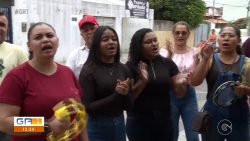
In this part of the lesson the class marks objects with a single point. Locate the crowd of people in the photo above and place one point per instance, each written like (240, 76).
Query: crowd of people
(155, 87)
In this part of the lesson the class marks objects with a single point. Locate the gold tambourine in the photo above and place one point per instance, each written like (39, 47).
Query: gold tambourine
(72, 111)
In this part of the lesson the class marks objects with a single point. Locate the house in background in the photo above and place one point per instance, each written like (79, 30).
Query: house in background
(213, 16)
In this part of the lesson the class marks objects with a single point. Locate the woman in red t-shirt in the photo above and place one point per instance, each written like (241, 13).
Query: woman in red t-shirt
(35, 87)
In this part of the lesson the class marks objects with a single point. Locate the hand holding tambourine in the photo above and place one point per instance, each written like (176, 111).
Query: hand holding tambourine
(68, 121)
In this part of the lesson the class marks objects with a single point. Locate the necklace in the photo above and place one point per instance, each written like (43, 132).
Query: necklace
(110, 70)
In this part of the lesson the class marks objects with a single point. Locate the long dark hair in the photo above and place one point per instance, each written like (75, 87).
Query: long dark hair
(94, 57)
(136, 45)
(31, 29)
(238, 34)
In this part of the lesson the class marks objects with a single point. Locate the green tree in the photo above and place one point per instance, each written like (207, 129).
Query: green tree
(191, 11)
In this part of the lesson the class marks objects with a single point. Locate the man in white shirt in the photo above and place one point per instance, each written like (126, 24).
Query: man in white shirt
(78, 57)
(10, 56)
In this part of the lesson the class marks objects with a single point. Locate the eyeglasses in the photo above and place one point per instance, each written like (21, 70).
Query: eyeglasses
(183, 33)
(227, 34)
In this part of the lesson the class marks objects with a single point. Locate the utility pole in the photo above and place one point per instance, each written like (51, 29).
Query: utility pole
(248, 19)
(213, 15)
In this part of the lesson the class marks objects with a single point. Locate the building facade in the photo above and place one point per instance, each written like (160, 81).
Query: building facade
(64, 15)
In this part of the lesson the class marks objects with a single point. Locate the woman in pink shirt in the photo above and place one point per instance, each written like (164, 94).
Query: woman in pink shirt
(185, 106)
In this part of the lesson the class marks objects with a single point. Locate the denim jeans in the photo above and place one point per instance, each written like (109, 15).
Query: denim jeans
(103, 128)
(237, 114)
(228, 122)
(185, 108)
(151, 126)
(249, 122)
(4, 137)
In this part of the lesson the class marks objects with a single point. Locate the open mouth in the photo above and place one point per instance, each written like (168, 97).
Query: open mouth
(225, 45)
(155, 50)
(112, 49)
(46, 47)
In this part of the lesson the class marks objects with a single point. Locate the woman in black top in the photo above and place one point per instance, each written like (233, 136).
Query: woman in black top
(105, 82)
(154, 76)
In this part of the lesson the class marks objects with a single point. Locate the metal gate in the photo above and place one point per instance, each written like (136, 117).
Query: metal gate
(7, 11)
(201, 33)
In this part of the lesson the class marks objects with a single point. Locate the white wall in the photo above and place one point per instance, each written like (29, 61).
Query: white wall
(59, 14)
(130, 26)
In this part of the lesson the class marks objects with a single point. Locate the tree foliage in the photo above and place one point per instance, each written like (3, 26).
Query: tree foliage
(191, 11)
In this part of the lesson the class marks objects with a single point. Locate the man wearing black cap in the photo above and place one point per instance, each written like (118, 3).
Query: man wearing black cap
(77, 58)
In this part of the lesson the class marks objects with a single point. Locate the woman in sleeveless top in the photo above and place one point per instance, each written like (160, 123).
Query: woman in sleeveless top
(228, 65)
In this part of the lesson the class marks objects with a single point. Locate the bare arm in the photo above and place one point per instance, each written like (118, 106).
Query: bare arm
(200, 71)
(202, 65)
(84, 135)
(7, 113)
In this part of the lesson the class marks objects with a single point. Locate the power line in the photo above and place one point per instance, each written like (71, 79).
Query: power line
(225, 4)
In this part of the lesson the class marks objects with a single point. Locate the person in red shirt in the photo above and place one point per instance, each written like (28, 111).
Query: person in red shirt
(36, 86)
(212, 38)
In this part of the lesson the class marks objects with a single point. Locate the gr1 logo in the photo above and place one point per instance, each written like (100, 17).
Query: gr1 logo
(28, 124)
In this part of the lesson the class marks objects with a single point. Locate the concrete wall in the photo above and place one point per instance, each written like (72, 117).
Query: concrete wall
(163, 31)
(63, 15)
(164, 36)
(163, 25)
(129, 27)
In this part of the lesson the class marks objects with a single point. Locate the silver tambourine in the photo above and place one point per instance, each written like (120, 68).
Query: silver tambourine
(224, 95)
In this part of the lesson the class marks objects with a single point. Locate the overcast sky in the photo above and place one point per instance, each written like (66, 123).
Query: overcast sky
(232, 9)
